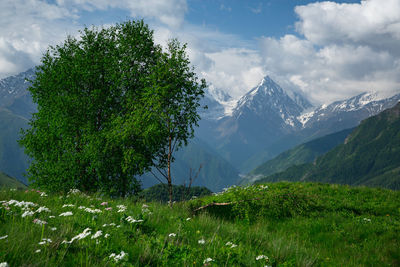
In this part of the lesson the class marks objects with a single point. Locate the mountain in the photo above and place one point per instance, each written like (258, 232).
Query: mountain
(233, 136)
(13, 161)
(325, 120)
(344, 114)
(300, 154)
(370, 156)
(10, 182)
(14, 95)
(16, 109)
(258, 119)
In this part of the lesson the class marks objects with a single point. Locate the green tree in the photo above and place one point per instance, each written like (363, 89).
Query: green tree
(97, 126)
(175, 97)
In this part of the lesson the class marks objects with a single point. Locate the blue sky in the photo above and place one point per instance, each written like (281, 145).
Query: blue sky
(248, 19)
(326, 50)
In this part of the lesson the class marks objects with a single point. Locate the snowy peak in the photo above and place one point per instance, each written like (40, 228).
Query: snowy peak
(270, 102)
(218, 102)
(218, 94)
(15, 86)
(368, 103)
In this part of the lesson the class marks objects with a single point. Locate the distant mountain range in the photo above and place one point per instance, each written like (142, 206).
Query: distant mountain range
(234, 136)
(369, 156)
(10, 182)
(269, 120)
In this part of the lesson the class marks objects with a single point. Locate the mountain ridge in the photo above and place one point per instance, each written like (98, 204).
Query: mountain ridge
(370, 156)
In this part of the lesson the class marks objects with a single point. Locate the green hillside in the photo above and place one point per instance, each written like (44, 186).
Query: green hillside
(303, 153)
(13, 161)
(10, 182)
(370, 156)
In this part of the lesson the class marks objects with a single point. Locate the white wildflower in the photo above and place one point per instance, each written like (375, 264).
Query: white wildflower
(39, 222)
(45, 241)
(97, 234)
(27, 213)
(119, 256)
(74, 191)
(188, 219)
(260, 257)
(53, 228)
(132, 220)
(37, 251)
(68, 213)
(230, 244)
(81, 207)
(121, 208)
(3, 237)
(68, 206)
(92, 210)
(40, 209)
(82, 235)
(201, 241)
(207, 260)
(43, 194)
(4, 264)
(51, 216)
(111, 224)
(172, 235)
(106, 235)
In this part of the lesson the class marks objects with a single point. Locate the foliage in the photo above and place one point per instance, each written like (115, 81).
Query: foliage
(97, 126)
(286, 200)
(174, 97)
(160, 193)
(344, 226)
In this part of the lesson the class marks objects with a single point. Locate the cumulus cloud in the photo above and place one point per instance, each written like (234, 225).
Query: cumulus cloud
(169, 12)
(343, 50)
(224, 60)
(30, 26)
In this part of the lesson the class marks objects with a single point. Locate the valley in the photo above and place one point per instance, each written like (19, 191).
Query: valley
(234, 139)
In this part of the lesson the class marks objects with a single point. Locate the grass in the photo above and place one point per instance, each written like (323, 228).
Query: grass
(293, 224)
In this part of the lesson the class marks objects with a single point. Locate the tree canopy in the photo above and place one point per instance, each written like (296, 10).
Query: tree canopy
(100, 102)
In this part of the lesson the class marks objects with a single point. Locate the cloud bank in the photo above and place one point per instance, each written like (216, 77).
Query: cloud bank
(343, 50)
(337, 51)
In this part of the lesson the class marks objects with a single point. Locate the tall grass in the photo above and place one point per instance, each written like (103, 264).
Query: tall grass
(290, 224)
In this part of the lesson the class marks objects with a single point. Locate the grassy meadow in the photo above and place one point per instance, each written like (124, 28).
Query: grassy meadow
(277, 224)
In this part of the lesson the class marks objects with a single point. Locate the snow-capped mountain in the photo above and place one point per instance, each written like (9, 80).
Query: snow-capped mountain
(347, 112)
(269, 101)
(14, 94)
(14, 86)
(268, 120)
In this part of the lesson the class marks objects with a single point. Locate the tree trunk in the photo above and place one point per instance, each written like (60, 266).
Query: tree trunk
(169, 170)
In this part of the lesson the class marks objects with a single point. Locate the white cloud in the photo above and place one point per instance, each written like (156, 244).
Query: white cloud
(224, 60)
(341, 49)
(345, 49)
(169, 12)
(28, 27)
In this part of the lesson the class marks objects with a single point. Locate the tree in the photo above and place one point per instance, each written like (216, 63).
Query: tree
(97, 126)
(175, 97)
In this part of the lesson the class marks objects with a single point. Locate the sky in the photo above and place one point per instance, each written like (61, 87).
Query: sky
(327, 51)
